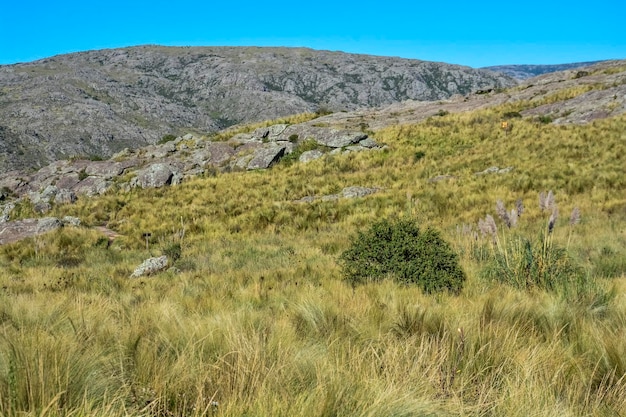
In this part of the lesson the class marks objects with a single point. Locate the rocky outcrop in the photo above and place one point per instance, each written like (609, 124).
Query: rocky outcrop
(150, 266)
(155, 166)
(13, 231)
(98, 103)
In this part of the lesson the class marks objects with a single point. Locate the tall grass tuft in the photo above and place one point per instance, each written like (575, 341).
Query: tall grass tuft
(534, 263)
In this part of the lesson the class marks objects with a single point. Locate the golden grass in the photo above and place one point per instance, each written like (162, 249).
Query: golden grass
(259, 322)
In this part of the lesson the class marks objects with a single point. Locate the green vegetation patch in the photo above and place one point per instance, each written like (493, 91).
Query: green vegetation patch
(400, 250)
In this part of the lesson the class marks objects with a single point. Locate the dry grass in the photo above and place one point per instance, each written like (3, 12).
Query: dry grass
(259, 322)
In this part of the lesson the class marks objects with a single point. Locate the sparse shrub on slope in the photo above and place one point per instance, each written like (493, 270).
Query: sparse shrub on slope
(401, 251)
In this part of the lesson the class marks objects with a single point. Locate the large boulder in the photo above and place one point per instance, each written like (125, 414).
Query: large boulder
(21, 229)
(266, 156)
(154, 176)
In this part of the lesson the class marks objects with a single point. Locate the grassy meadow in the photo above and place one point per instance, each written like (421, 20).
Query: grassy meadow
(255, 319)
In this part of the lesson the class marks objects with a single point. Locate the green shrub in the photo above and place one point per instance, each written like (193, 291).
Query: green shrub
(418, 155)
(401, 251)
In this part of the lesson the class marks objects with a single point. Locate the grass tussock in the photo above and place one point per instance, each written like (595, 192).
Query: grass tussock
(256, 319)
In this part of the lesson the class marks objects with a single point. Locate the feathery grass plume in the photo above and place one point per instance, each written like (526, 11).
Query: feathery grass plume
(574, 218)
(502, 213)
(487, 226)
(553, 217)
(542, 200)
(482, 226)
(513, 216)
(519, 207)
(550, 204)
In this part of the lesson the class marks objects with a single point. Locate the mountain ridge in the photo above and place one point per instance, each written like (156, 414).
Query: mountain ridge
(96, 103)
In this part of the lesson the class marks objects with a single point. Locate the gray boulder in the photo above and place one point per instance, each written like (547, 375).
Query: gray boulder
(150, 266)
(154, 176)
(5, 212)
(340, 138)
(21, 229)
(312, 155)
(266, 157)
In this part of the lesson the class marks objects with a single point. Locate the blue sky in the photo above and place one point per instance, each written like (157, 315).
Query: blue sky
(460, 32)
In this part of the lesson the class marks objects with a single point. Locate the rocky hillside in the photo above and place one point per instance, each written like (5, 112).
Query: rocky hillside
(524, 72)
(566, 97)
(97, 103)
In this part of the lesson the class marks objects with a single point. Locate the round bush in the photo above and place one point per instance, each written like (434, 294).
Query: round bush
(399, 250)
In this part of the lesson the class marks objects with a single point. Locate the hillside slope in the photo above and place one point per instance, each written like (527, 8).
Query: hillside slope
(99, 102)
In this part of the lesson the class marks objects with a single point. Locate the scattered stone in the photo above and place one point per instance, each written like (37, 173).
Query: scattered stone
(495, 170)
(348, 192)
(439, 178)
(353, 192)
(150, 266)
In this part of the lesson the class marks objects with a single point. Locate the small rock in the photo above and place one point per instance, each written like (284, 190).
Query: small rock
(71, 221)
(352, 192)
(47, 224)
(5, 212)
(368, 143)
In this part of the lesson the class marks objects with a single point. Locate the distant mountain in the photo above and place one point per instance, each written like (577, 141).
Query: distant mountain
(99, 102)
(523, 72)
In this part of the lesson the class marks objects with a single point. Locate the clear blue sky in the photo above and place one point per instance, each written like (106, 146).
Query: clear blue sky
(460, 32)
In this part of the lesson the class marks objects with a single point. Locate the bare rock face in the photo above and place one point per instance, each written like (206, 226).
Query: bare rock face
(150, 266)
